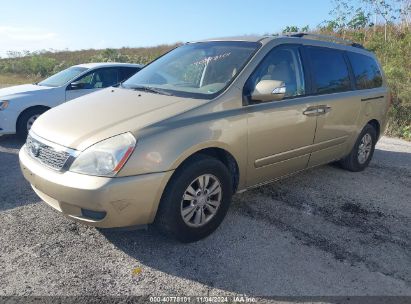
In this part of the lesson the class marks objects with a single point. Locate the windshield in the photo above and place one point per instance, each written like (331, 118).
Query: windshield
(198, 70)
(63, 77)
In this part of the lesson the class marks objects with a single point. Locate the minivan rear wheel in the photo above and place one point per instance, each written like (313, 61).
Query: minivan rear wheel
(362, 152)
(196, 199)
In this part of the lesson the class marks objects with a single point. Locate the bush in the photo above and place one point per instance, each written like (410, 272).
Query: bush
(399, 123)
(36, 65)
(46, 63)
(110, 55)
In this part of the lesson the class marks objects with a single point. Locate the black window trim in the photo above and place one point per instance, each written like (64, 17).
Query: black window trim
(350, 71)
(309, 89)
(307, 77)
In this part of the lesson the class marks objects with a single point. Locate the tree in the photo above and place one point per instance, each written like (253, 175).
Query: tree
(360, 20)
(305, 28)
(385, 9)
(342, 13)
(295, 29)
(405, 13)
(291, 29)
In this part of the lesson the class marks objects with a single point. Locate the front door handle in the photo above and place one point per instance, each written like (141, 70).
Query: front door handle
(311, 111)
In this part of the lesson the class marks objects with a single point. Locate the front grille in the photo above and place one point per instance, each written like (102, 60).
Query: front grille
(47, 155)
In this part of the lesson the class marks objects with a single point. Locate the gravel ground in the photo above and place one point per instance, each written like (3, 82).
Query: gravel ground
(322, 232)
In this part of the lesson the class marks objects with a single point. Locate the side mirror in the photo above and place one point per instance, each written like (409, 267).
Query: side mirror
(269, 90)
(76, 86)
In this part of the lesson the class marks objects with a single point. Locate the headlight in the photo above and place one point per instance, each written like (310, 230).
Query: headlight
(4, 104)
(106, 157)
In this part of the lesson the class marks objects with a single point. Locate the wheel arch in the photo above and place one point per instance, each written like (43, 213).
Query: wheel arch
(376, 125)
(218, 152)
(42, 107)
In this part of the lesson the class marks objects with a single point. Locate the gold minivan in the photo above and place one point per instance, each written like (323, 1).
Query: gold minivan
(172, 144)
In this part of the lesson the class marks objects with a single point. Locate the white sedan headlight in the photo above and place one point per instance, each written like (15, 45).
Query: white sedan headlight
(106, 157)
(3, 104)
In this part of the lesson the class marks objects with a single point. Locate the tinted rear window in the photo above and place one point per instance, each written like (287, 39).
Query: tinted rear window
(127, 72)
(366, 71)
(330, 72)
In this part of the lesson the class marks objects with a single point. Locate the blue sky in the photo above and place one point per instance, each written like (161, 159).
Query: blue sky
(33, 25)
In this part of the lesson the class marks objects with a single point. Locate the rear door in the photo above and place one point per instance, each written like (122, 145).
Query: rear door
(369, 85)
(92, 81)
(337, 105)
(279, 133)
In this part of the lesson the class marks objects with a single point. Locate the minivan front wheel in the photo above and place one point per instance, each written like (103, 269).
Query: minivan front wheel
(201, 200)
(196, 199)
(362, 152)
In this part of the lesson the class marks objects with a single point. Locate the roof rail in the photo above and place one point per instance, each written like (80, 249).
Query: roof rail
(324, 38)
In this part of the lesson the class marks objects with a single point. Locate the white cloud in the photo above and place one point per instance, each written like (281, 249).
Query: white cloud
(24, 38)
(25, 34)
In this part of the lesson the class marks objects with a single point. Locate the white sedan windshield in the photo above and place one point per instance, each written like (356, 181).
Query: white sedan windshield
(63, 77)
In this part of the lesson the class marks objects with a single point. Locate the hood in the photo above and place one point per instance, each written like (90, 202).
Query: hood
(84, 121)
(22, 90)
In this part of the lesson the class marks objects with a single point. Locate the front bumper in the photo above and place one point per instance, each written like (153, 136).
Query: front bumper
(7, 122)
(124, 201)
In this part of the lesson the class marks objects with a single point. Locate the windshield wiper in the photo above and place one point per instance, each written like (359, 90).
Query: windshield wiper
(148, 89)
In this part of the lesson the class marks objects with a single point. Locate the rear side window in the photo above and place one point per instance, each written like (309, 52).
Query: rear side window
(329, 70)
(127, 72)
(366, 71)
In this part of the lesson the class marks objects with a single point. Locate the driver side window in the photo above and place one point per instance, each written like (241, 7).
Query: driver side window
(98, 79)
(281, 64)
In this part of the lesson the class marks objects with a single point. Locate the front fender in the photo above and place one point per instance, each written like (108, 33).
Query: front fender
(165, 148)
(9, 116)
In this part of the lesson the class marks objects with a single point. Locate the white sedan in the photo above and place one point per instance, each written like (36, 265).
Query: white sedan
(21, 105)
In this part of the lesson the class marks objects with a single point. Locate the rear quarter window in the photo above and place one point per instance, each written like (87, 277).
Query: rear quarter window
(329, 70)
(366, 71)
(127, 72)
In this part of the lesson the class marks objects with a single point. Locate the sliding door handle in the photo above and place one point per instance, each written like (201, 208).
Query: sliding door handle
(317, 110)
(323, 110)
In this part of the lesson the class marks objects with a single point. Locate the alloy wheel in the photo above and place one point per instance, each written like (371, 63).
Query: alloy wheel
(364, 149)
(201, 200)
(31, 121)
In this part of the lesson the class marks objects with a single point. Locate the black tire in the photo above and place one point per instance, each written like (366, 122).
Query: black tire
(169, 219)
(21, 126)
(351, 161)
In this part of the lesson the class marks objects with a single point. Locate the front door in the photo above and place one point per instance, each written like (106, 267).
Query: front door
(280, 133)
